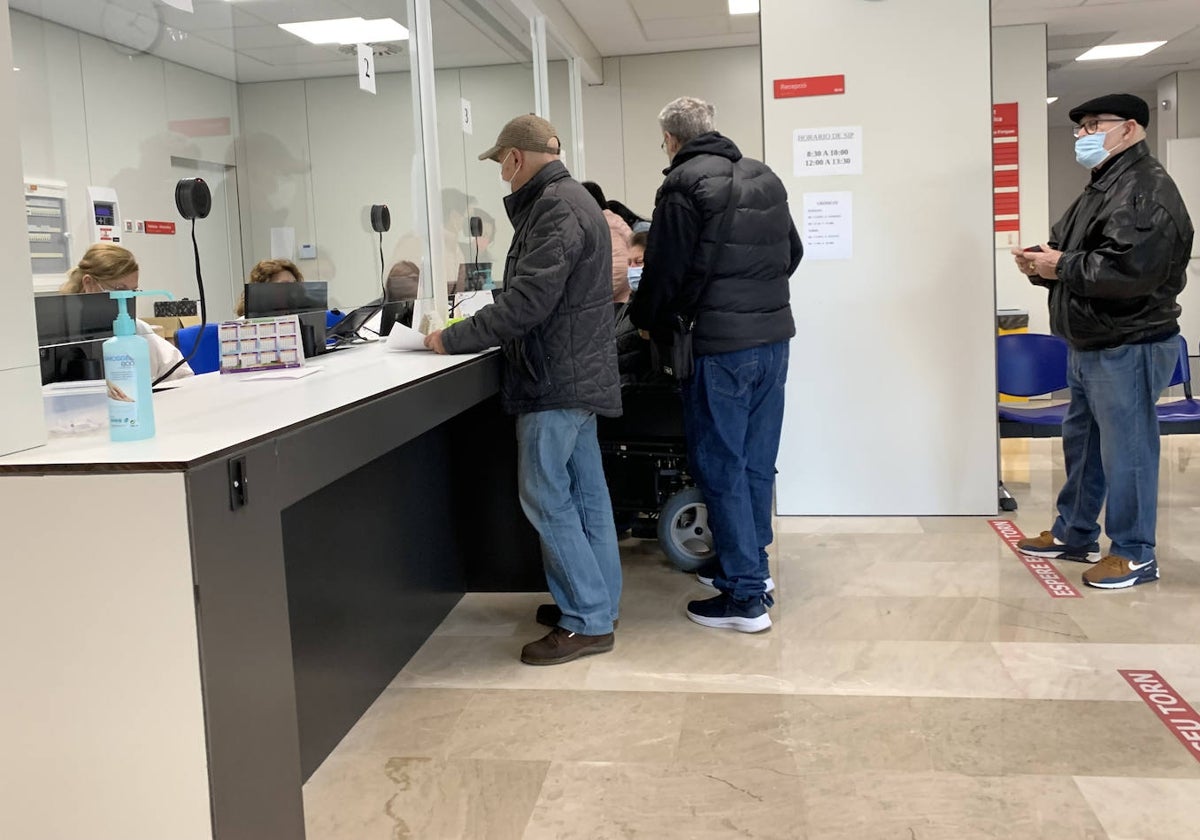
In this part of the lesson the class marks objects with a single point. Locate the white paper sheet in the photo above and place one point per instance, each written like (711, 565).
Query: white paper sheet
(828, 226)
(828, 151)
(283, 373)
(403, 338)
(472, 302)
(283, 243)
(181, 5)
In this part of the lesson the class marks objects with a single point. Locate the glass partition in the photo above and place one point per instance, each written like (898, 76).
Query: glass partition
(119, 99)
(484, 78)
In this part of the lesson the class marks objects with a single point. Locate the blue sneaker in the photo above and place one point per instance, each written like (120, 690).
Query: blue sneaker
(1115, 572)
(723, 611)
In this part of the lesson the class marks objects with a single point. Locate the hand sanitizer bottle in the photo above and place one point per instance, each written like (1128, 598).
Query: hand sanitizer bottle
(127, 375)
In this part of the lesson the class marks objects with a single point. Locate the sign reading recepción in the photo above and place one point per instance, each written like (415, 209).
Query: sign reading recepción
(810, 86)
(828, 151)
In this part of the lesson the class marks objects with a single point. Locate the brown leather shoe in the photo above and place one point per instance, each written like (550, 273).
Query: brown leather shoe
(548, 615)
(561, 645)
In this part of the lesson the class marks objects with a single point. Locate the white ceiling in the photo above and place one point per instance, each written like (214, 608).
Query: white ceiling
(239, 39)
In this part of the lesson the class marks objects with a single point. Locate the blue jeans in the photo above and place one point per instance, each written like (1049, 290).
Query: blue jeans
(1111, 446)
(565, 497)
(733, 417)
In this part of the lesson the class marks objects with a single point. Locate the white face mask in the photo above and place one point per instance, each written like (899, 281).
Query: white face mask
(504, 180)
(635, 277)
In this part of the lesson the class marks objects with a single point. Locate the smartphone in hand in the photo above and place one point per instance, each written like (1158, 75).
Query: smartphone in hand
(1035, 249)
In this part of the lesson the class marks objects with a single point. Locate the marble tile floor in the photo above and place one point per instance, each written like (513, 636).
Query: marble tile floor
(917, 683)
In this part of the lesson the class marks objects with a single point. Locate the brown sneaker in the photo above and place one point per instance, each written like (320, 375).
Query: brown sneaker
(1048, 546)
(561, 645)
(1115, 572)
(548, 615)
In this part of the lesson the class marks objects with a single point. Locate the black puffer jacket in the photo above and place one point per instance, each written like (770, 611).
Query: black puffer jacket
(554, 318)
(1126, 242)
(746, 304)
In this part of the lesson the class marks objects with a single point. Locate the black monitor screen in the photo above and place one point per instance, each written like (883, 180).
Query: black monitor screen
(266, 300)
(68, 319)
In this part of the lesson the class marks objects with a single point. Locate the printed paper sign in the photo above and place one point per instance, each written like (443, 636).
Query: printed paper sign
(828, 151)
(366, 68)
(828, 226)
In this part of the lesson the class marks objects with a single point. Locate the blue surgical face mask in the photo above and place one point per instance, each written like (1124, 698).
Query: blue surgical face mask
(1089, 149)
(635, 276)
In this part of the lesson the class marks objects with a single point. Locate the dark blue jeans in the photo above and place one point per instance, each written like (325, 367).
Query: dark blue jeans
(565, 497)
(733, 416)
(1111, 446)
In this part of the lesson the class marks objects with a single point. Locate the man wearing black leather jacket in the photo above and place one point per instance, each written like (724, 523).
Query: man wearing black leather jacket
(1115, 264)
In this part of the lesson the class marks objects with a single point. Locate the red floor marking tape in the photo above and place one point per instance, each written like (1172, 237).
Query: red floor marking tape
(1043, 570)
(1171, 708)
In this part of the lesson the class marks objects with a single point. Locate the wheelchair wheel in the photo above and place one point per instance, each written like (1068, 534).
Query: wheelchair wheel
(683, 530)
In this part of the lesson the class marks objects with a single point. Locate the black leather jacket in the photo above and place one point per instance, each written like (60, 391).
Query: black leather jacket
(554, 318)
(1126, 242)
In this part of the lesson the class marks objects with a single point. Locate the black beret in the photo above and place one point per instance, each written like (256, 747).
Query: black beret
(1123, 105)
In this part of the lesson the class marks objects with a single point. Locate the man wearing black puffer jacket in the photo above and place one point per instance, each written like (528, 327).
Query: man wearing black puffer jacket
(554, 321)
(733, 280)
(1114, 266)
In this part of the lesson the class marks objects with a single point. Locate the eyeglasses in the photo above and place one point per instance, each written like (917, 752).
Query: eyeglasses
(1090, 126)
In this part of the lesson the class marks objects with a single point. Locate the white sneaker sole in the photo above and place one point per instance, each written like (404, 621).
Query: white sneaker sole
(1123, 584)
(734, 622)
(707, 581)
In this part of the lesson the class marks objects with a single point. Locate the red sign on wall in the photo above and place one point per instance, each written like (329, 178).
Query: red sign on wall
(161, 227)
(810, 86)
(1006, 179)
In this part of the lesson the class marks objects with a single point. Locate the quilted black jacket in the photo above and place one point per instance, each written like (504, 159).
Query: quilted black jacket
(1126, 242)
(746, 304)
(554, 319)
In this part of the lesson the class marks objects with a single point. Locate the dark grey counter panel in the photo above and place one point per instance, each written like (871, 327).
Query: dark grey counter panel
(361, 531)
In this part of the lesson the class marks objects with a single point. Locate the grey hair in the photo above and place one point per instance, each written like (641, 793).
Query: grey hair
(686, 118)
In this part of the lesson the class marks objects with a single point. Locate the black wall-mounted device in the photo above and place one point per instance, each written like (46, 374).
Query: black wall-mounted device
(381, 218)
(193, 198)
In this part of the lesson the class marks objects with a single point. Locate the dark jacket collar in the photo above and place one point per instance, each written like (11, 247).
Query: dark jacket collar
(713, 143)
(1109, 172)
(517, 204)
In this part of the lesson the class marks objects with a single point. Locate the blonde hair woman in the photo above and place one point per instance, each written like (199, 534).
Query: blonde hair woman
(271, 271)
(110, 268)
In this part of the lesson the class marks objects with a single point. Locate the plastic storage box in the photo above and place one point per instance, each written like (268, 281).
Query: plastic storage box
(75, 408)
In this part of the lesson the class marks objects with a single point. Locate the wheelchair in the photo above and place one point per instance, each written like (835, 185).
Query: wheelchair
(645, 461)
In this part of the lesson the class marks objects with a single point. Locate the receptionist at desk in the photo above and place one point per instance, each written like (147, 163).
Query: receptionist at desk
(110, 268)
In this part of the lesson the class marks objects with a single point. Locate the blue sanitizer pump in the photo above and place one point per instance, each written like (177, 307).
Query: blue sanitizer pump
(127, 374)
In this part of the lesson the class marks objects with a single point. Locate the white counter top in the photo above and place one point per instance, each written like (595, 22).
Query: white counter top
(212, 413)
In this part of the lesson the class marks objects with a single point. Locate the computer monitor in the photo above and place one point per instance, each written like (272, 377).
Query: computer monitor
(266, 300)
(70, 319)
(307, 300)
(473, 277)
(347, 329)
(396, 312)
(71, 332)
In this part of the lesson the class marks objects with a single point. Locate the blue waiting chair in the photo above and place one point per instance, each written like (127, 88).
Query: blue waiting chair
(1027, 365)
(1180, 417)
(208, 357)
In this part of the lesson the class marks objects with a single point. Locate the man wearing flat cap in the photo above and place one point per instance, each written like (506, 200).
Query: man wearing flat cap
(554, 321)
(1114, 265)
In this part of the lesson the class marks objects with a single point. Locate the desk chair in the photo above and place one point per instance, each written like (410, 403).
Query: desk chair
(1028, 365)
(208, 357)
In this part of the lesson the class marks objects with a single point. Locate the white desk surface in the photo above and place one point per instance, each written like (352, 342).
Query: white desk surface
(212, 413)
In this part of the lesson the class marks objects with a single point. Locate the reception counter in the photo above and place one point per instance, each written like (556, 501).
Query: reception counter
(190, 624)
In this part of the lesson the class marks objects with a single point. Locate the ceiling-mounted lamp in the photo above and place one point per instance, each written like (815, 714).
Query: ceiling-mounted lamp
(743, 7)
(1111, 51)
(1050, 100)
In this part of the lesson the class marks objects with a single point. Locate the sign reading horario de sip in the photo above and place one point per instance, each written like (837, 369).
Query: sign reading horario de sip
(828, 151)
